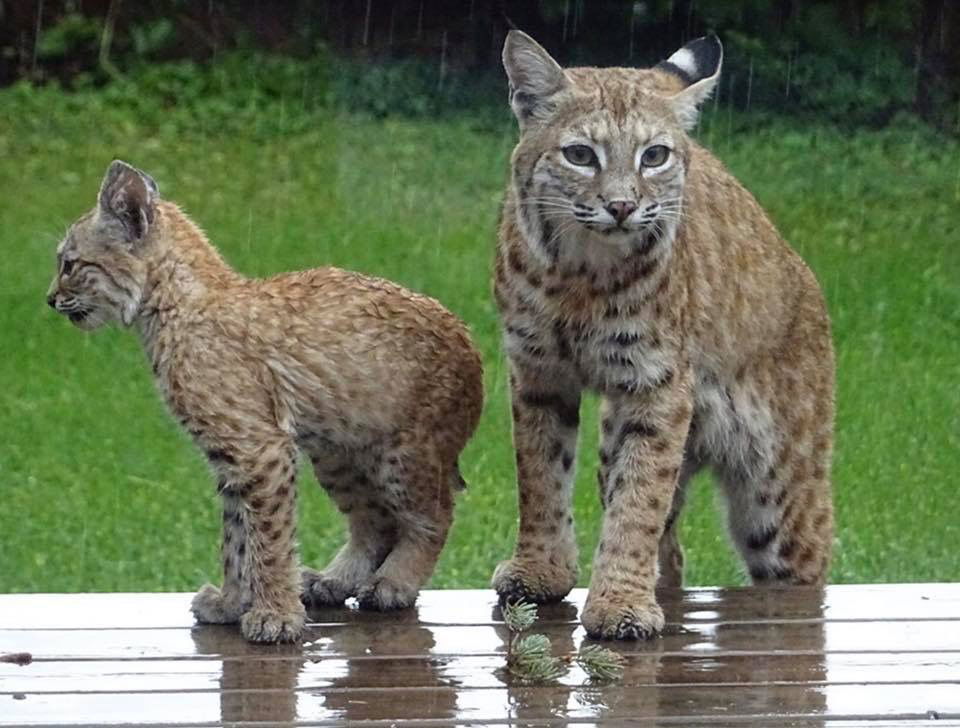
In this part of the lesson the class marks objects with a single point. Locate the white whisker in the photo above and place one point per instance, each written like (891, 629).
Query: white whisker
(561, 230)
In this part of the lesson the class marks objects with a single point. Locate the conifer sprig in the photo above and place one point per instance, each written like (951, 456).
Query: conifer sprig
(519, 615)
(530, 657)
(600, 664)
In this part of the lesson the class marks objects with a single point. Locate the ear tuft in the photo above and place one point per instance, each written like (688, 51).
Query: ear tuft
(698, 65)
(534, 76)
(130, 196)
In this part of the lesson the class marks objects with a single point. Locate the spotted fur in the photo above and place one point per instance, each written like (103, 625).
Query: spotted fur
(651, 276)
(380, 387)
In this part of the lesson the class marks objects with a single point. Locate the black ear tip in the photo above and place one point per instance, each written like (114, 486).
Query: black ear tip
(710, 40)
(708, 52)
(117, 166)
(120, 170)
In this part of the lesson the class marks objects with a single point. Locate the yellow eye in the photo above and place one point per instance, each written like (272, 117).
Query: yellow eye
(580, 155)
(655, 156)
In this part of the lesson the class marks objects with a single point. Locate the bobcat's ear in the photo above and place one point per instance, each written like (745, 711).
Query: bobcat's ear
(129, 196)
(697, 64)
(535, 78)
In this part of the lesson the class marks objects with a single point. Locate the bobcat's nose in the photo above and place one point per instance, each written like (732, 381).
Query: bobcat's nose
(621, 209)
(52, 300)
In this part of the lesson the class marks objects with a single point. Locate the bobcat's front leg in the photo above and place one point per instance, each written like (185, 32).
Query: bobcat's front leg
(263, 565)
(545, 418)
(641, 456)
(228, 603)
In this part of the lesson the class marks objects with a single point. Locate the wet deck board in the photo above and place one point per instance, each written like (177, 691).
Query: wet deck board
(878, 655)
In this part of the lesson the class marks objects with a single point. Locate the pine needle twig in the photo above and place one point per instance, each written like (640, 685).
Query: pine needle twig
(600, 664)
(530, 657)
(532, 661)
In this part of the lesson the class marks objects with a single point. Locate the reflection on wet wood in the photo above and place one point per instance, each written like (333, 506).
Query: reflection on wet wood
(474, 606)
(853, 656)
(80, 676)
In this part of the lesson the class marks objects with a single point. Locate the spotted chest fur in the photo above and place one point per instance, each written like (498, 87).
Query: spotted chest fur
(607, 330)
(630, 263)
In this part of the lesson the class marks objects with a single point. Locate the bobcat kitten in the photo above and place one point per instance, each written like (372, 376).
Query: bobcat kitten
(379, 386)
(631, 263)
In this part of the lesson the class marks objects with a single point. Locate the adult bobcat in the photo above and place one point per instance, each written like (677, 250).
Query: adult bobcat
(631, 263)
(381, 387)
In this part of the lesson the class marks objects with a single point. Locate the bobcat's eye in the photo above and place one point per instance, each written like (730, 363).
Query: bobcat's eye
(655, 156)
(68, 266)
(580, 155)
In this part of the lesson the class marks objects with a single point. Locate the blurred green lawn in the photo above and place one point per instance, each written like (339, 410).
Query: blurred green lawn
(101, 491)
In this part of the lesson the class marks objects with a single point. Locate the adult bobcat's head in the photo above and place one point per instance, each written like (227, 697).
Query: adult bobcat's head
(100, 268)
(603, 151)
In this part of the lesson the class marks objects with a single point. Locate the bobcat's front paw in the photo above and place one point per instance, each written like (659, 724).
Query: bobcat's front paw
(533, 581)
(320, 590)
(383, 594)
(210, 607)
(618, 619)
(267, 625)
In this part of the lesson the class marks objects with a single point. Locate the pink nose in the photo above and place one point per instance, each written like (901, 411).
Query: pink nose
(621, 209)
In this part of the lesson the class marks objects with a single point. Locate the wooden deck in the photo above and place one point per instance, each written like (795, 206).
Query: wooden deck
(849, 656)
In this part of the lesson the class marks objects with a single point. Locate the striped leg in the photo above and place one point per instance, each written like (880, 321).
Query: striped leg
(227, 604)
(269, 498)
(642, 451)
(781, 517)
(545, 420)
(419, 501)
(371, 534)
(670, 556)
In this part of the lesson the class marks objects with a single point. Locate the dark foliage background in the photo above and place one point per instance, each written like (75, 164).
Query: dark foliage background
(853, 62)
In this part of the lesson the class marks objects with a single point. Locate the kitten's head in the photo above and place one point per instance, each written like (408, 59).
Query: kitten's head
(101, 272)
(604, 148)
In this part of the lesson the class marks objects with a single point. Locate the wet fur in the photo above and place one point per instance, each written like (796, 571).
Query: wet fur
(380, 387)
(705, 334)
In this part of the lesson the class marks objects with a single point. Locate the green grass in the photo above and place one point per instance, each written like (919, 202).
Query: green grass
(102, 492)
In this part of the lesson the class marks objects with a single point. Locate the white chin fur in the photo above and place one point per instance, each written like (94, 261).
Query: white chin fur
(128, 314)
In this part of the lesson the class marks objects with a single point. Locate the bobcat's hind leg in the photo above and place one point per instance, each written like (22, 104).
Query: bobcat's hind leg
(781, 515)
(416, 501)
(371, 537)
(397, 582)
(670, 552)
